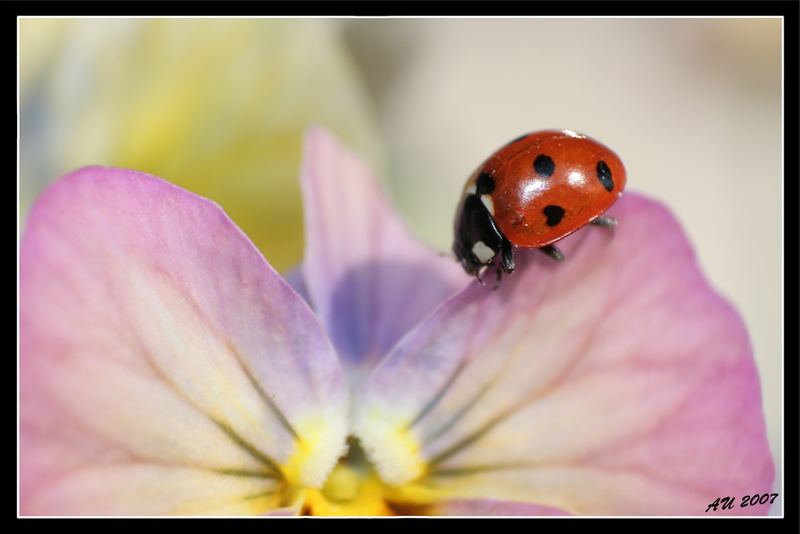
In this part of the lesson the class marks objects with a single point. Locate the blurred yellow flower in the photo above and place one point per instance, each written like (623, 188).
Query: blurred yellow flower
(215, 106)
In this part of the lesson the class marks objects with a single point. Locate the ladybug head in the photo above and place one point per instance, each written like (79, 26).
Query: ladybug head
(478, 242)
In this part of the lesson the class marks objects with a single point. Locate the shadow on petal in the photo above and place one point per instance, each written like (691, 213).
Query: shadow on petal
(368, 278)
(409, 292)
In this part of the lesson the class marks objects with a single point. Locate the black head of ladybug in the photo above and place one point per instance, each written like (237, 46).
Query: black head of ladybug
(478, 242)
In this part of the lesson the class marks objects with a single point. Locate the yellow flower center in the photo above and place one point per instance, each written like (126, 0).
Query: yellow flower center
(347, 492)
(354, 489)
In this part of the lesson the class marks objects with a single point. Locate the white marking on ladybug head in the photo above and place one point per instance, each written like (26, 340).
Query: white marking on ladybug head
(482, 252)
(487, 201)
(470, 190)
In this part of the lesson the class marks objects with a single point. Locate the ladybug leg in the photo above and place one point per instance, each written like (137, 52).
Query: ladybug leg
(608, 222)
(499, 274)
(506, 257)
(553, 252)
(478, 274)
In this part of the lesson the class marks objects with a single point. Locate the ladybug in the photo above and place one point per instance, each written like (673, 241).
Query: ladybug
(535, 190)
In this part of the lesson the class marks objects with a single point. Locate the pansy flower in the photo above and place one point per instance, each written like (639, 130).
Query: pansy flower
(167, 368)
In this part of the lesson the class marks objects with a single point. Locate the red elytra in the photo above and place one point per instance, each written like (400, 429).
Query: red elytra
(535, 190)
(521, 194)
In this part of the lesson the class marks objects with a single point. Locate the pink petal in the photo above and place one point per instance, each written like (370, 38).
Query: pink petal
(286, 511)
(369, 280)
(295, 279)
(488, 507)
(617, 382)
(155, 337)
(151, 489)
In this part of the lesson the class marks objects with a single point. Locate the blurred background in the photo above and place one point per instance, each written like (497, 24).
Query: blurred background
(692, 106)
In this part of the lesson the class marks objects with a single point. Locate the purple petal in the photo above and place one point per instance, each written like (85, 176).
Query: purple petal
(617, 382)
(154, 337)
(369, 280)
(489, 507)
(295, 279)
(284, 512)
(136, 488)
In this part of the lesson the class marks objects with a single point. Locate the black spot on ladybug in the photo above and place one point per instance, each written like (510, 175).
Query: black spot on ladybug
(484, 185)
(554, 214)
(520, 138)
(604, 175)
(544, 166)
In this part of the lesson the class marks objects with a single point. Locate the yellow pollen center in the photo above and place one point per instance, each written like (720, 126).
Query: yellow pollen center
(354, 489)
(349, 493)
